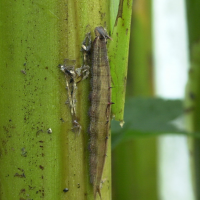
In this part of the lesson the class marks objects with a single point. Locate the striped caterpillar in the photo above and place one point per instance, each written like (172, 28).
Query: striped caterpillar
(100, 108)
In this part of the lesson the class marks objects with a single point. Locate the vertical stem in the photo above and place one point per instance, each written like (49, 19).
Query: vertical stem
(35, 37)
(134, 161)
(192, 98)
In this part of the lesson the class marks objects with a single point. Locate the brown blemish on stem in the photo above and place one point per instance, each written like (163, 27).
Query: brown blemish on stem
(120, 11)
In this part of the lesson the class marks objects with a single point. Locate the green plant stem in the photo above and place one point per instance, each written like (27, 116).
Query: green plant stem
(35, 37)
(192, 97)
(134, 161)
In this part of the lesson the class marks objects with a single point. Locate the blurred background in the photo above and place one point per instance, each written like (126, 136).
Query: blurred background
(151, 158)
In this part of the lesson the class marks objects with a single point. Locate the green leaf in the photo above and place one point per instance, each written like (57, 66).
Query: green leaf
(149, 117)
(118, 56)
(114, 4)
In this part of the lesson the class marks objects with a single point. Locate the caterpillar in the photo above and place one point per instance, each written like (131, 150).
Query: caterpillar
(100, 108)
